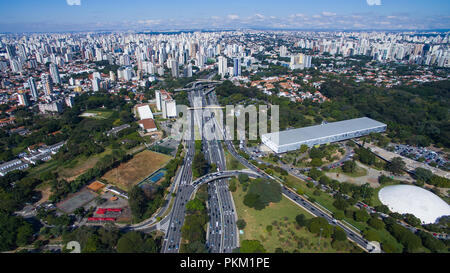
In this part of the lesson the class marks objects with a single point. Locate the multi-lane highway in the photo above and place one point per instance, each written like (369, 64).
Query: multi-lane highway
(184, 192)
(222, 230)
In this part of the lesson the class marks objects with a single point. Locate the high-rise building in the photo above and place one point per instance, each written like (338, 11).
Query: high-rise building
(174, 65)
(222, 66)
(11, 51)
(95, 84)
(33, 89)
(236, 67)
(55, 73)
(166, 104)
(46, 82)
(283, 51)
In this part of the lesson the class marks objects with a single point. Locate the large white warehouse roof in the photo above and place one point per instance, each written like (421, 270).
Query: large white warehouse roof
(422, 203)
(145, 112)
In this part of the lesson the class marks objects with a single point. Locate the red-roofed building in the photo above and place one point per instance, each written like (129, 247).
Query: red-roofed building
(148, 125)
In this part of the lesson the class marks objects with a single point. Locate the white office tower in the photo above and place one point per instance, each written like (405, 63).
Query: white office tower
(125, 60)
(71, 81)
(33, 89)
(23, 99)
(200, 60)
(99, 54)
(307, 61)
(16, 66)
(166, 104)
(161, 71)
(96, 84)
(55, 73)
(189, 70)
(158, 100)
(127, 74)
(283, 51)
(112, 76)
(174, 67)
(222, 66)
(46, 82)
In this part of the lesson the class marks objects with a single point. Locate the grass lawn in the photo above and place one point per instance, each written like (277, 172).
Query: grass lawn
(285, 234)
(358, 172)
(126, 175)
(232, 163)
(79, 165)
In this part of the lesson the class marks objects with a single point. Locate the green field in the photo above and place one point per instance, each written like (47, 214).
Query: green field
(232, 163)
(286, 234)
(358, 172)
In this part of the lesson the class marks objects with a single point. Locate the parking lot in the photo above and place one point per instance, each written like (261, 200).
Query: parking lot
(420, 154)
(77, 200)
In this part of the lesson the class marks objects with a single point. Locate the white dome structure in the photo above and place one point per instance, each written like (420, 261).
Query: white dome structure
(423, 204)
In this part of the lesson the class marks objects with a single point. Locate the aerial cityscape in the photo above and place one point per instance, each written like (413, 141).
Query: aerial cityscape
(246, 127)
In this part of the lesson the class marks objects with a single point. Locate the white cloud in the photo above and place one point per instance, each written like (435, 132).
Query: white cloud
(373, 2)
(233, 16)
(327, 13)
(259, 16)
(74, 2)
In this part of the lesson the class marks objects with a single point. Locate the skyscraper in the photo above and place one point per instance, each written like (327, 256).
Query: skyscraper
(236, 67)
(55, 73)
(33, 89)
(46, 82)
(174, 65)
(222, 66)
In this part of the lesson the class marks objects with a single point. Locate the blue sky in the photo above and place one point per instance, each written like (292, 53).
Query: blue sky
(84, 15)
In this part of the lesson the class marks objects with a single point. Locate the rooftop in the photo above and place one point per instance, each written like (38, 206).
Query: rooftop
(323, 130)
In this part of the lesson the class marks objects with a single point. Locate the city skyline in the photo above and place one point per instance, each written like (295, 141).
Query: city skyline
(138, 15)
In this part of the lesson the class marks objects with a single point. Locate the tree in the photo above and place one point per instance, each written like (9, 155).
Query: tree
(396, 165)
(261, 193)
(319, 225)
(134, 242)
(301, 220)
(243, 178)
(315, 173)
(195, 205)
(138, 202)
(338, 215)
(390, 247)
(412, 220)
(376, 223)
(252, 246)
(303, 148)
(269, 228)
(371, 235)
(423, 174)
(316, 162)
(361, 215)
(241, 223)
(431, 243)
(232, 185)
(349, 166)
(24, 234)
(341, 204)
(339, 234)
(382, 209)
(252, 200)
